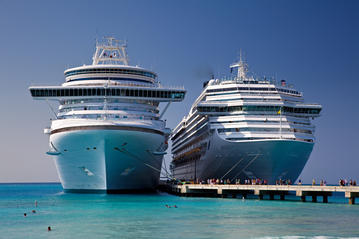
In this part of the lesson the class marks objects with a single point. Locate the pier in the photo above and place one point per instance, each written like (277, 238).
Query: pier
(233, 190)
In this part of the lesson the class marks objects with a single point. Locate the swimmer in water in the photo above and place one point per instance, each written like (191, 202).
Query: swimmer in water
(175, 206)
(25, 214)
(48, 228)
(33, 211)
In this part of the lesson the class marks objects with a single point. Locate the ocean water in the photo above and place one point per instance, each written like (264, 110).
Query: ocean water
(146, 216)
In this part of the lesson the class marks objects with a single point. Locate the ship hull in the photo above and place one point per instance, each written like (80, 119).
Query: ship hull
(107, 160)
(269, 160)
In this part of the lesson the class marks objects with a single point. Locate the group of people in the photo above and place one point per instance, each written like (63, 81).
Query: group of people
(34, 211)
(258, 181)
(254, 181)
(284, 182)
(216, 181)
(322, 182)
(345, 182)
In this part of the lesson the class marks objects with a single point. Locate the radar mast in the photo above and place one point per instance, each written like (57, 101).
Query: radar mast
(110, 51)
(242, 67)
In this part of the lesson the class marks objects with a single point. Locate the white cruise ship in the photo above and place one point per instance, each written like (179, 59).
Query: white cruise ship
(108, 134)
(244, 128)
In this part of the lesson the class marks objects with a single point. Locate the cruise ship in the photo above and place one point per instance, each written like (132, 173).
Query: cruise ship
(108, 134)
(242, 127)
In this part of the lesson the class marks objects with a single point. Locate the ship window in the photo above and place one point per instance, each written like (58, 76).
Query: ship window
(140, 93)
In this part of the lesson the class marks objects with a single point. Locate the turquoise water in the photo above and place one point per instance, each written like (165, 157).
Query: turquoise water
(145, 216)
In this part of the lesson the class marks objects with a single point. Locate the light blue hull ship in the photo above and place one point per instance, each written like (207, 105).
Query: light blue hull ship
(109, 135)
(107, 160)
(263, 159)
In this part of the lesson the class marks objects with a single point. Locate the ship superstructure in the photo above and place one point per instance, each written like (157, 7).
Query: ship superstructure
(108, 133)
(243, 127)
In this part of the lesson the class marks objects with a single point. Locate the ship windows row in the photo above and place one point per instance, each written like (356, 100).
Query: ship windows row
(254, 89)
(261, 138)
(109, 100)
(110, 71)
(105, 92)
(288, 91)
(277, 109)
(258, 121)
(118, 79)
(264, 130)
(108, 108)
(241, 88)
(107, 116)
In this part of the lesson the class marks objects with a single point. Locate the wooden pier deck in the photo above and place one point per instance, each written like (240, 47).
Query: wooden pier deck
(226, 190)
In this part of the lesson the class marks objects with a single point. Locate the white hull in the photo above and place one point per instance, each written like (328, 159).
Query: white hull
(108, 160)
(265, 159)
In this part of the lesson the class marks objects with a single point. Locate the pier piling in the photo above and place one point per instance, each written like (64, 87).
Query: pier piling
(314, 198)
(325, 198)
(351, 195)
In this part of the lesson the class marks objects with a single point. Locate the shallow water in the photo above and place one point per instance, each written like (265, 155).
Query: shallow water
(146, 216)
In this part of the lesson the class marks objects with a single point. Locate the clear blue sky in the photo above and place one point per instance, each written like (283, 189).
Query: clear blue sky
(312, 44)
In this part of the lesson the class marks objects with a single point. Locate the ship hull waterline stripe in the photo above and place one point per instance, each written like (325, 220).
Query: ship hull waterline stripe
(106, 127)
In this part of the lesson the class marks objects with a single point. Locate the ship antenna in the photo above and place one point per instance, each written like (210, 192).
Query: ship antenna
(110, 51)
(241, 65)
